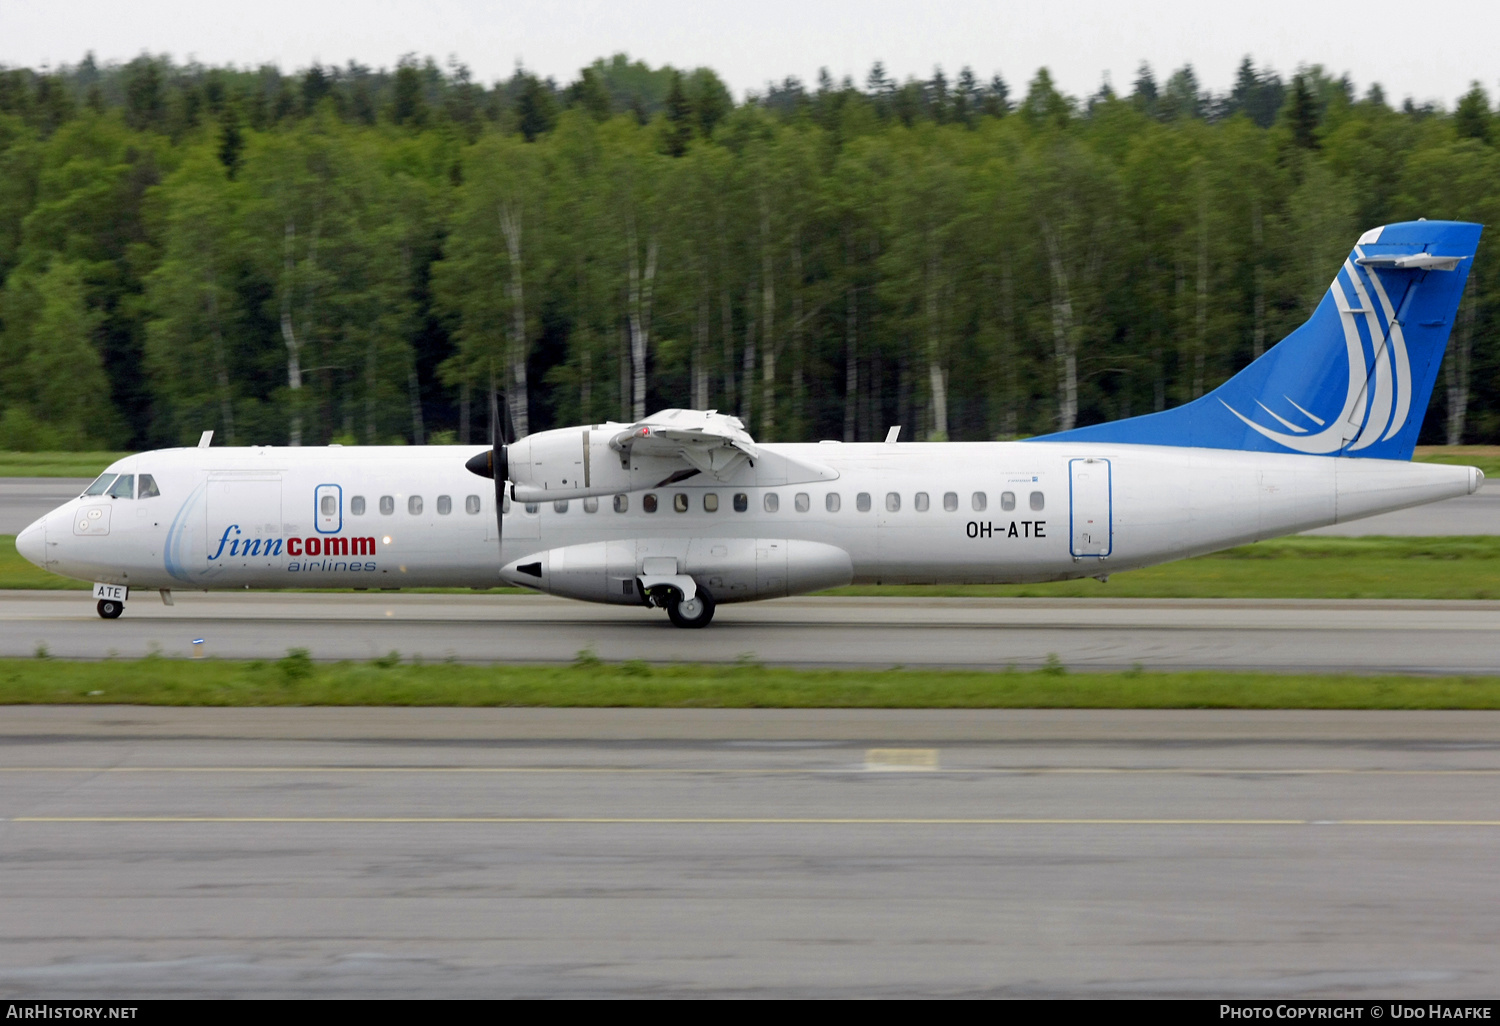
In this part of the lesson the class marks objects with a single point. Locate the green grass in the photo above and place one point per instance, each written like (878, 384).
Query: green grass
(1390, 568)
(15, 572)
(298, 681)
(1485, 457)
(1342, 568)
(56, 464)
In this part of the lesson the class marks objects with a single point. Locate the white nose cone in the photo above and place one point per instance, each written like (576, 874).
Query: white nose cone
(32, 543)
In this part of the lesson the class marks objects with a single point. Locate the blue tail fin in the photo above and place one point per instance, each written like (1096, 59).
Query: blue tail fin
(1355, 379)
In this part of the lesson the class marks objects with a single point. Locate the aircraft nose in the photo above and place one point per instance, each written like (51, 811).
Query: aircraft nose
(32, 543)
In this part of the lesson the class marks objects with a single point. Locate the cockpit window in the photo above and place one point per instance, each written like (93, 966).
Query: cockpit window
(148, 489)
(123, 488)
(101, 484)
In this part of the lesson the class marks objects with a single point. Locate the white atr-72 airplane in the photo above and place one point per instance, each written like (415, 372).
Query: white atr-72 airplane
(685, 511)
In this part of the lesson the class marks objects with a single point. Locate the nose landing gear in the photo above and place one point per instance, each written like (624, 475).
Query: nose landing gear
(110, 609)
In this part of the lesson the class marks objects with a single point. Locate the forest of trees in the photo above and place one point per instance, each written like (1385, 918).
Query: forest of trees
(360, 256)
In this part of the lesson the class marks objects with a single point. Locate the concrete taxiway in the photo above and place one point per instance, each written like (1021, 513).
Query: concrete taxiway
(1318, 635)
(23, 499)
(476, 853)
(1467, 515)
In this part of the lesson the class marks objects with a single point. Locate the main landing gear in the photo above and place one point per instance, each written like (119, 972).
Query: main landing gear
(695, 612)
(110, 609)
(667, 594)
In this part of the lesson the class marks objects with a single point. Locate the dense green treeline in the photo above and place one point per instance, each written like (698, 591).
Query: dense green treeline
(360, 256)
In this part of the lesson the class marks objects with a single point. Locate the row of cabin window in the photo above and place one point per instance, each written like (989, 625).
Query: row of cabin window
(771, 502)
(123, 486)
(329, 505)
(802, 502)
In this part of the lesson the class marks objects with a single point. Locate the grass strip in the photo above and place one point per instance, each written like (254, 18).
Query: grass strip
(1329, 568)
(1485, 457)
(1454, 567)
(56, 464)
(17, 573)
(296, 680)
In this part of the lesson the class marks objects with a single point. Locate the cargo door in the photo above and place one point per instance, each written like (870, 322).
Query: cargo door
(244, 538)
(770, 567)
(1091, 510)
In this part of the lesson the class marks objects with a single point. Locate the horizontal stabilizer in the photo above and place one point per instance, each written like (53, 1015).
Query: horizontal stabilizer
(1415, 262)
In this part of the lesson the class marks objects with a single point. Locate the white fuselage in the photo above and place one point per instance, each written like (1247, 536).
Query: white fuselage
(392, 517)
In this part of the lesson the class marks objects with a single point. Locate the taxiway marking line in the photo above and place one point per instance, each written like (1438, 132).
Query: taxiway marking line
(772, 771)
(756, 821)
(1008, 626)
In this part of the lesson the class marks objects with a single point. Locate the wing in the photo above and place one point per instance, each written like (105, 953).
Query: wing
(709, 442)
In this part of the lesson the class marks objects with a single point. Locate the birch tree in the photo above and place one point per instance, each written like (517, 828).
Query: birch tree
(395, 224)
(1071, 196)
(189, 291)
(1458, 179)
(636, 173)
(583, 274)
(693, 226)
(784, 166)
(492, 253)
(998, 234)
(856, 188)
(299, 200)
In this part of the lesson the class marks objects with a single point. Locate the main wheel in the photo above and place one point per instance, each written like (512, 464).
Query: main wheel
(110, 609)
(695, 612)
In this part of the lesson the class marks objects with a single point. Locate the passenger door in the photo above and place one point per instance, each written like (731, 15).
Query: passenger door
(328, 508)
(1091, 512)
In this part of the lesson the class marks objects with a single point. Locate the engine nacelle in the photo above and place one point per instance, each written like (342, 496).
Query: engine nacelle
(731, 569)
(675, 445)
(566, 463)
(577, 462)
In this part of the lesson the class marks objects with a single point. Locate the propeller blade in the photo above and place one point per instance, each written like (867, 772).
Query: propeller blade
(507, 426)
(498, 463)
(494, 464)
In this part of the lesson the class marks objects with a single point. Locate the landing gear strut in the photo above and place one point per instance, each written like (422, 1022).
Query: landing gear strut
(110, 609)
(695, 612)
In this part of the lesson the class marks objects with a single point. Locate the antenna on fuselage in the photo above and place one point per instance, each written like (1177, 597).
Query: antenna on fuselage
(204, 439)
(893, 435)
